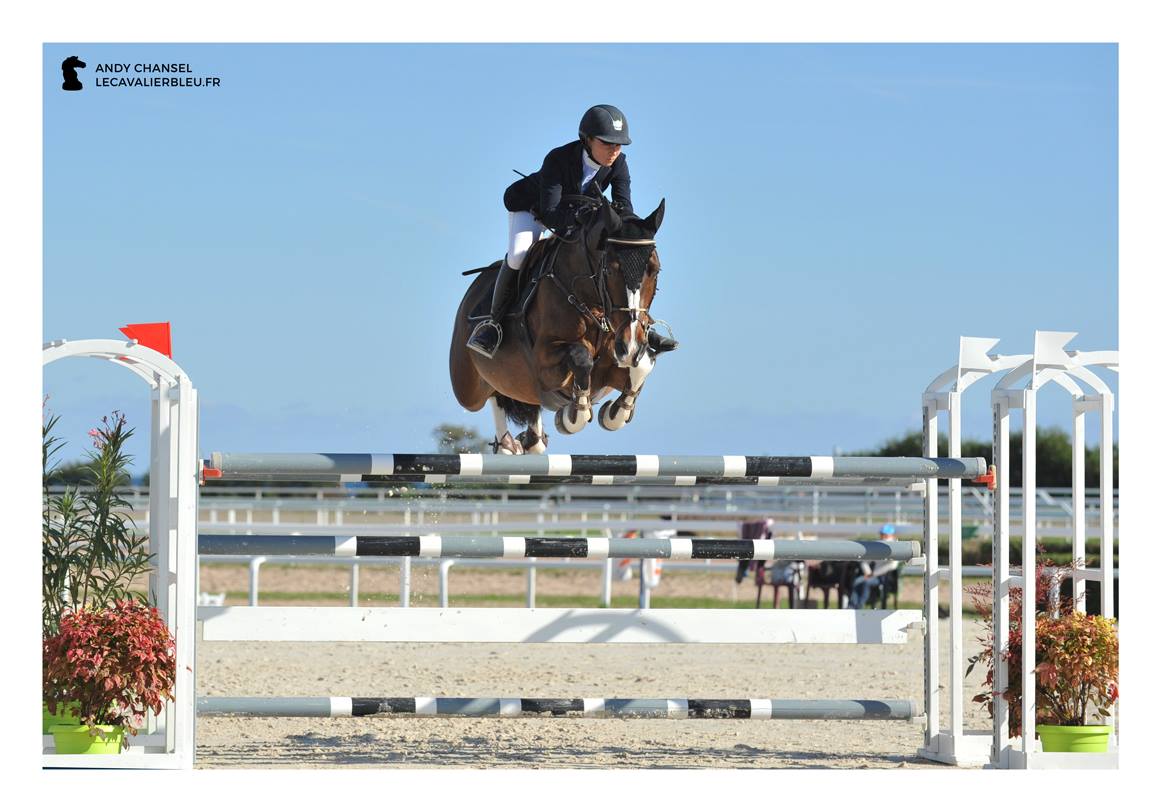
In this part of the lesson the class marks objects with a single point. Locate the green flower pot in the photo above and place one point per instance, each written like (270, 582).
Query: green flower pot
(75, 739)
(1074, 738)
(65, 715)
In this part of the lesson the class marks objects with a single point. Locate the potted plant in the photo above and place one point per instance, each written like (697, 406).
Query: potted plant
(91, 554)
(114, 663)
(1076, 664)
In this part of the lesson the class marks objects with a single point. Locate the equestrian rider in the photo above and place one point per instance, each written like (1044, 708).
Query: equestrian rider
(586, 166)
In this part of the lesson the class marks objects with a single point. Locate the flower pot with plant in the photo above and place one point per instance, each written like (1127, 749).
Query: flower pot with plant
(115, 663)
(91, 554)
(1076, 664)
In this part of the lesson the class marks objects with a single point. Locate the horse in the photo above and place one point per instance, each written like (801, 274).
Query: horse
(585, 333)
(68, 69)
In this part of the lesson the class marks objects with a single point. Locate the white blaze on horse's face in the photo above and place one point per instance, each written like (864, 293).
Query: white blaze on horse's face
(640, 371)
(627, 346)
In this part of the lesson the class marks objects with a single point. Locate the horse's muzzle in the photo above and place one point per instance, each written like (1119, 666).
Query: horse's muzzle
(628, 343)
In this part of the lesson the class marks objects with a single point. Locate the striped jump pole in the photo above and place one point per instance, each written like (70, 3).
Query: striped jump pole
(596, 469)
(520, 547)
(514, 479)
(343, 706)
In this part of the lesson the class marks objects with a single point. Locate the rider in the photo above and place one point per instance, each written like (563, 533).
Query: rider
(588, 166)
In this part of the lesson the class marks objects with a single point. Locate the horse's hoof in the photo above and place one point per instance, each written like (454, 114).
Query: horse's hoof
(569, 421)
(558, 421)
(612, 416)
(507, 446)
(532, 442)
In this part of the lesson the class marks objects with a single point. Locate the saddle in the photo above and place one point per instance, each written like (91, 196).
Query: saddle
(541, 259)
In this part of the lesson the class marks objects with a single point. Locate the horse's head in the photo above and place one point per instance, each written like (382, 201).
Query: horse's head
(632, 267)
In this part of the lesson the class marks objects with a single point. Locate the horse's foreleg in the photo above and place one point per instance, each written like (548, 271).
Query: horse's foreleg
(576, 415)
(533, 439)
(616, 414)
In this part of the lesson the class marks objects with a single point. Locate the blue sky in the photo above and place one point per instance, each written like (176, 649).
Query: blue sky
(837, 216)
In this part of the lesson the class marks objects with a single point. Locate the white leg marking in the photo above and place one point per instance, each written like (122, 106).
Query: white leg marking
(499, 418)
(638, 373)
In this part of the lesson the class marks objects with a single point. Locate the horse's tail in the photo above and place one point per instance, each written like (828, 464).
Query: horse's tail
(519, 412)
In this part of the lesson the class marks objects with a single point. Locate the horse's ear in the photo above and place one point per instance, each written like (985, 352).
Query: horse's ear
(610, 216)
(654, 219)
(598, 230)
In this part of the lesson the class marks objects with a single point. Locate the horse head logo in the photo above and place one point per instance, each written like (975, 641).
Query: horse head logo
(69, 69)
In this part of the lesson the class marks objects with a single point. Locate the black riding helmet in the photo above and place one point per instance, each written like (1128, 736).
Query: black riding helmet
(607, 123)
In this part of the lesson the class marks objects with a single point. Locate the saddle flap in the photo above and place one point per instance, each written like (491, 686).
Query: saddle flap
(527, 279)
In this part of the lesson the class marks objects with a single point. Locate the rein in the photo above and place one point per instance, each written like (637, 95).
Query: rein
(600, 279)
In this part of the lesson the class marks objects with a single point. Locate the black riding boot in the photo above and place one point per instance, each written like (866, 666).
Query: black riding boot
(659, 343)
(486, 338)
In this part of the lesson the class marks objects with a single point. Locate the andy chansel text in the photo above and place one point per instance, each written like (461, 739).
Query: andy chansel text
(150, 74)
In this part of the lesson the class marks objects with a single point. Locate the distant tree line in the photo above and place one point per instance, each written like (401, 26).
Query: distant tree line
(1053, 456)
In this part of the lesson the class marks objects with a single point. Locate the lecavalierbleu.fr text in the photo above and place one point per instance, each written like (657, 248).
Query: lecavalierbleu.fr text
(151, 80)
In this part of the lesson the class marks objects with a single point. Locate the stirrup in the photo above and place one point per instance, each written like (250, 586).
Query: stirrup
(477, 343)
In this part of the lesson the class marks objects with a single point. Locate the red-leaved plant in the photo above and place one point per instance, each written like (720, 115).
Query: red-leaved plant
(115, 662)
(1076, 654)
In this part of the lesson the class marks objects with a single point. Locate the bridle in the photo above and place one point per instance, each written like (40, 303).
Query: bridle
(600, 277)
(636, 263)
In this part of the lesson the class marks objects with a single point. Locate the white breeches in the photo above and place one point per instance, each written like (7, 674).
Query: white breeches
(523, 231)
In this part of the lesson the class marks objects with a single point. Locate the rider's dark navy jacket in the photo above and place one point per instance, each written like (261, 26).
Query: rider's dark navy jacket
(540, 192)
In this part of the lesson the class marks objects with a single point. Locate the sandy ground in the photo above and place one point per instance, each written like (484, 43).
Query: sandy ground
(673, 671)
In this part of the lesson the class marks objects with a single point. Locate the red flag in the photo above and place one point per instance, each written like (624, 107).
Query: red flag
(154, 335)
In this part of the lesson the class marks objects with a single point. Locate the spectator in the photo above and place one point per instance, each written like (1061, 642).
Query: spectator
(873, 576)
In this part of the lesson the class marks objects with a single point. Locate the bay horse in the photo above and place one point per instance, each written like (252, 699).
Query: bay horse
(585, 335)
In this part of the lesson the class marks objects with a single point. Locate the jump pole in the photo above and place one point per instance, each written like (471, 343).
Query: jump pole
(344, 706)
(524, 547)
(601, 468)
